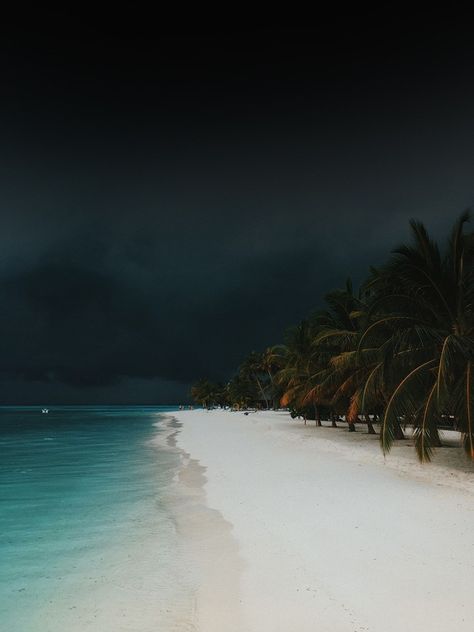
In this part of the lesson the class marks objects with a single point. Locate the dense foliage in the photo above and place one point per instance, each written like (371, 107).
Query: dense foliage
(399, 351)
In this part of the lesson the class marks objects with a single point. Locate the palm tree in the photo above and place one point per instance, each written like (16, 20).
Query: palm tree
(423, 311)
(269, 364)
(241, 391)
(254, 368)
(206, 393)
(295, 360)
(341, 371)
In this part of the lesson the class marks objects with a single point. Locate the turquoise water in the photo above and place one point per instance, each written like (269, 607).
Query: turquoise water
(86, 538)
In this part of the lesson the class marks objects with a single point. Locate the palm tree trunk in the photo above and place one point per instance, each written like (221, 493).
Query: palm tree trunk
(435, 439)
(317, 415)
(398, 430)
(262, 392)
(370, 427)
(273, 388)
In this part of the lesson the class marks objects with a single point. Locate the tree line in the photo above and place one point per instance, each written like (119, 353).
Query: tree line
(398, 351)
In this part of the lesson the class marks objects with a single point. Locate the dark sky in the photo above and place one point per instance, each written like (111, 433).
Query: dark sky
(175, 193)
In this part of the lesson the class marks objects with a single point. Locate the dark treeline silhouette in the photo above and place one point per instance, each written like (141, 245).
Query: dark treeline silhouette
(399, 351)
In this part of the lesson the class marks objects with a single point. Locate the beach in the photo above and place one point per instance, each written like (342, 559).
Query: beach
(146, 519)
(301, 528)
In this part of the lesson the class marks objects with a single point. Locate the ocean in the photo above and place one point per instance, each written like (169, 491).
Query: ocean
(88, 539)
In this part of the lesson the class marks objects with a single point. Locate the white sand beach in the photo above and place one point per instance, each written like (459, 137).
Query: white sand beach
(299, 528)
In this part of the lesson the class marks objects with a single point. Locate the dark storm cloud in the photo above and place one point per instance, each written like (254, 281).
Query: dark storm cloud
(91, 312)
(173, 196)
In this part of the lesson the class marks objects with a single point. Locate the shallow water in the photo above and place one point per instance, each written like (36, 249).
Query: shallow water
(87, 541)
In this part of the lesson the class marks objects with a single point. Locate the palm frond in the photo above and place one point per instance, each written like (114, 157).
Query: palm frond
(427, 429)
(403, 403)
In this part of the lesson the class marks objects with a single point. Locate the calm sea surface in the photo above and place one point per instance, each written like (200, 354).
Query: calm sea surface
(87, 541)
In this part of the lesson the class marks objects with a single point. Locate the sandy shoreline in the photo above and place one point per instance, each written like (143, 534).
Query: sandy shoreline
(214, 564)
(296, 528)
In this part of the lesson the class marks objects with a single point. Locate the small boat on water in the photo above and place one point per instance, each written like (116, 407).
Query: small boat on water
(45, 410)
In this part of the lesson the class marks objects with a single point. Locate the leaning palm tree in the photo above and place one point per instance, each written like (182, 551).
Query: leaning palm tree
(295, 360)
(423, 311)
(351, 375)
(255, 369)
(269, 363)
(241, 391)
(341, 370)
